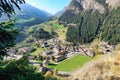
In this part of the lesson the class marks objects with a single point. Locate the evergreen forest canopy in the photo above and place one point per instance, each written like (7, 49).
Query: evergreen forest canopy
(90, 24)
(7, 32)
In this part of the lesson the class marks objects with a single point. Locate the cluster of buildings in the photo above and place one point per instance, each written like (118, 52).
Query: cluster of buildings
(17, 54)
(58, 51)
(105, 48)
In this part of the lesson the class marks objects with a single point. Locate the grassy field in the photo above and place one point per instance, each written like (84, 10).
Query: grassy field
(72, 63)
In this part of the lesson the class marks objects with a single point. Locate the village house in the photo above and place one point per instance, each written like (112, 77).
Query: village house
(105, 48)
(12, 57)
(47, 53)
(38, 41)
(46, 61)
(45, 44)
(28, 49)
(31, 57)
(20, 53)
(56, 50)
(90, 53)
(59, 58)
(25, 50)
(50, 40)
(44, 70)
(57, 40)
(12, 52)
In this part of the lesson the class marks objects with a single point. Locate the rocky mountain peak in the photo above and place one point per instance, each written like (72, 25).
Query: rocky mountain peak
(113, 4)
(87, 5)
(92, 4)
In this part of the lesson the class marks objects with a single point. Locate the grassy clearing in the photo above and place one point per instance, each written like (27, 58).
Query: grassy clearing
(37, 51)
(52, 25)
(73, 63)
(35, 61)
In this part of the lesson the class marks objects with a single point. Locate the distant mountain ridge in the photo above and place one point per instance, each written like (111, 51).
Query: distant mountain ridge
(28, 16)
(27, 11)
(90, 19)
(58, 14)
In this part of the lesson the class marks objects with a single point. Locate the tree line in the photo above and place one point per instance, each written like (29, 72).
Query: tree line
(92, 24)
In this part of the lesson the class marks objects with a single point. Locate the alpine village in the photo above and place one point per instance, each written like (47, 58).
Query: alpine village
(80, 42)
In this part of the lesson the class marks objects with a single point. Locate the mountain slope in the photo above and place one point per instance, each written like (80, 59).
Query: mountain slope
(88, 19)
(27, 11)
(49, 29)
(105, 68)
(27, 17)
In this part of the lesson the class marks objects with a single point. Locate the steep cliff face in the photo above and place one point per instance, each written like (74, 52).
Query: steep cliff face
(88, 19)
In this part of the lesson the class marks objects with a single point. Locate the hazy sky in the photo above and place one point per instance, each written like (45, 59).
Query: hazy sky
(50, 6)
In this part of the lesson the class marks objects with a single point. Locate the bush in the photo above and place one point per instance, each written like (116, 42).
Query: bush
(48, 73)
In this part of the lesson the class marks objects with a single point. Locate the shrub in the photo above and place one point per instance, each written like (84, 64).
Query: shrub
(48, 73)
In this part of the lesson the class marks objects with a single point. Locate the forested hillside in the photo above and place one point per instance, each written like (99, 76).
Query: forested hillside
(95, 20)
(111, 27)
(46, 30)
(28, 16)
